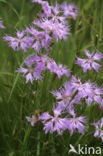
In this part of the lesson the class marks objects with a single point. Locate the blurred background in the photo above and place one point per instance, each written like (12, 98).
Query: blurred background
(17, 138)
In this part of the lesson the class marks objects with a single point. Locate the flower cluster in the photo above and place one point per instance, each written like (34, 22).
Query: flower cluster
(35, 65)
(89, 91)
(59, 124)
(52, 25)
(72, 93)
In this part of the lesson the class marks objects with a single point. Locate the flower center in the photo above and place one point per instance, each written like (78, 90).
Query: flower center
(30, 70)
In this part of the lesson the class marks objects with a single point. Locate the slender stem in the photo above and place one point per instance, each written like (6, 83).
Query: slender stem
(38, 144)
(22, 7)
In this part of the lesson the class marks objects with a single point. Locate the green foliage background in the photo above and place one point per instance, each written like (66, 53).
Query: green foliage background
(17, 138)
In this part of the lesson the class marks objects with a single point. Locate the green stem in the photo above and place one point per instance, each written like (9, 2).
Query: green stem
(22, 7)
(38, 144)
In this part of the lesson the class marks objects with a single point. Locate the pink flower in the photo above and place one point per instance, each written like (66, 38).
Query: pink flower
(77, 123)
(99, 129)
(32, 73)
(34, 92)
(32, 120)
(1, 24)
(19, 42)
(70, 9)
(88, 64)
(53, 123)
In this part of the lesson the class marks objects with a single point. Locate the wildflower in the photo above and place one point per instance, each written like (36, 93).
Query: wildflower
(40, 39)
(32, 120)
(87, 90)
(53, 123)
(31, 73)
(88, 64)
(62, 70)
(46, 8)
(1, 24)
(21, 42)
(37, 1)
(95, 96)
(99, 129)
(65, 93)
(53, 67)
(65, 98)
(84, 89)
(58, 29)
(59, 70)
(56, 9)
(76, 123)
(35, 65)
(70, 9)
(34, 93)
